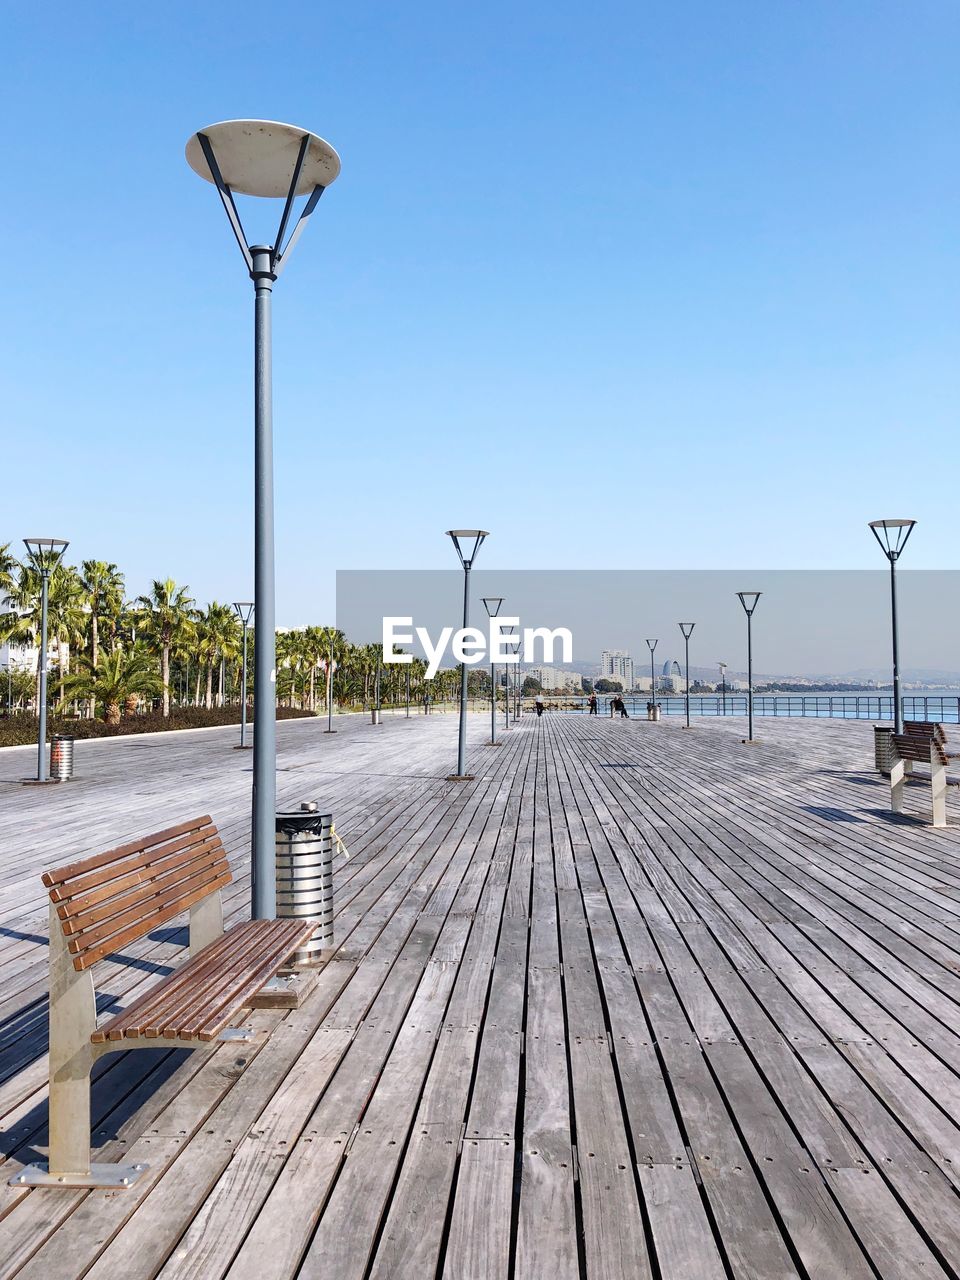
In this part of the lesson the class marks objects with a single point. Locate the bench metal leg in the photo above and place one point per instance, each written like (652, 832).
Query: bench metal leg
(938, 786)
(73, 1019)
(896, 786)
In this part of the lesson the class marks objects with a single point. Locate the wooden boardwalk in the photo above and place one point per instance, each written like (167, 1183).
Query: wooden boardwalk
(636, 1002)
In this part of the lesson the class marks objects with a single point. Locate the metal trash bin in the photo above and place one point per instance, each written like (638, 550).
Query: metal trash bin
(883, 749)
(375, 715)
(653, 712)
(61, 757)
(304, 861)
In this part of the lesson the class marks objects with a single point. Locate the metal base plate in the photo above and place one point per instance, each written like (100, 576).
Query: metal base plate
(100, 1175)
(460, 777)
(35, 782)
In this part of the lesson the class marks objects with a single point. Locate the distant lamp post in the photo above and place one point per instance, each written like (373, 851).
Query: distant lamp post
(651, 645)
(512, 646)
(723, 684)
(892, 536)
(749, 600)
(492, 604)
(686, 630)
(275, 161)
(244, 610)
(467, 543)
(46, 554)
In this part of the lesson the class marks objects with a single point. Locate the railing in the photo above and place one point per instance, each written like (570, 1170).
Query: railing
(944, 708)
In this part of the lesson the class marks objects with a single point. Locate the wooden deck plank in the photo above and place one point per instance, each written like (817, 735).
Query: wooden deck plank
(634, 1002)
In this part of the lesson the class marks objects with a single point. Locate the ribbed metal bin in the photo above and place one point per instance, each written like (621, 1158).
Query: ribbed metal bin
(653, 712)
(304, 856)
(883, 749)
(61, 757)
(375, 715)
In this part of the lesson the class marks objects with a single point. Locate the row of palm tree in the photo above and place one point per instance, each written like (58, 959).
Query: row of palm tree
(112, 656)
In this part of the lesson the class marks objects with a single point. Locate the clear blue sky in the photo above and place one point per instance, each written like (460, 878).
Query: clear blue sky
(569, 242)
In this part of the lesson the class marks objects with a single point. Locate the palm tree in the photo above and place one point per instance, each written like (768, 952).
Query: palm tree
(64, 613)
(102, 584)
(122, 676)
(217, 630)
(166, 617)
(333, 651)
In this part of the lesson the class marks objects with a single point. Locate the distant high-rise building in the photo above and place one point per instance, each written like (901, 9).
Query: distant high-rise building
(616, 664)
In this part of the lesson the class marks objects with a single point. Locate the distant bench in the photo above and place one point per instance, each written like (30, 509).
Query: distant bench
(104, 903)
(921, 742)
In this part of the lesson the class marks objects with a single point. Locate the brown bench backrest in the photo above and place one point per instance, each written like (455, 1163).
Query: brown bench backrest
(917, 739)
(925, 729)
(111, 899)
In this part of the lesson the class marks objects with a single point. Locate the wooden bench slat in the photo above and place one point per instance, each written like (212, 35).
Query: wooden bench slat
(111, 945)
(242, 951)
(185, 868)
(72, 902)
(212, 955)
(200, 999)
(73, 869)
(207, 1016)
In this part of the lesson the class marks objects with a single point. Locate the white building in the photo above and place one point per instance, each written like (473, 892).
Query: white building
(616, 664)
(553, 678)
(23, 657)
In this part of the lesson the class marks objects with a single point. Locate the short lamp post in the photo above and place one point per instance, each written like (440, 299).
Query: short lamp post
(45, 554)
(493, 604)
(467, 543)
(651, 645)
(723, 685)
(749, 601)
(512, 647)
(892, 536)
(275, 161)
(686, 630)
(244, 610)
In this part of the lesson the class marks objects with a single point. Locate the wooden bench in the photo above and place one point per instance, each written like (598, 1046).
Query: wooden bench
(922, 742)
(104, 903)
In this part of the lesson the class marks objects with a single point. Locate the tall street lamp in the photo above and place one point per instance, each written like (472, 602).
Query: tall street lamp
(686, 630)
(492, 604)
(723, 684)
(892, 536)
(749, 601)
(244, 610)
(651, 645)
(274, 161)
(467, 543)
(46, 554)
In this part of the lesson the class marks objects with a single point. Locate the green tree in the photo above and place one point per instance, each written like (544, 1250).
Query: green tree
(121, 677)
(165, 618)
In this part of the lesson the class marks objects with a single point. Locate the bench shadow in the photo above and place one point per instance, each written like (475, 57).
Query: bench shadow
(898, 819)
(117, 1094)
(832, 815)
(24, 1035)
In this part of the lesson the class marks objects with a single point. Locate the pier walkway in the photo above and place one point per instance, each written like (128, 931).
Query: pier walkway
(637, 1002)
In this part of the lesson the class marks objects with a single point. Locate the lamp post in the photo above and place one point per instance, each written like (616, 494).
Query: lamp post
(892, 536)
(507, 688)
(749, 601)
(686, 630)
(46, 554)
(651, 645)
(723, 684)
(462, 539)
(244, 610)
(492, 605)
(274, 161)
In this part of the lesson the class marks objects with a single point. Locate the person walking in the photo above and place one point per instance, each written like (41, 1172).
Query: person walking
(538, 703)
(593, 705)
